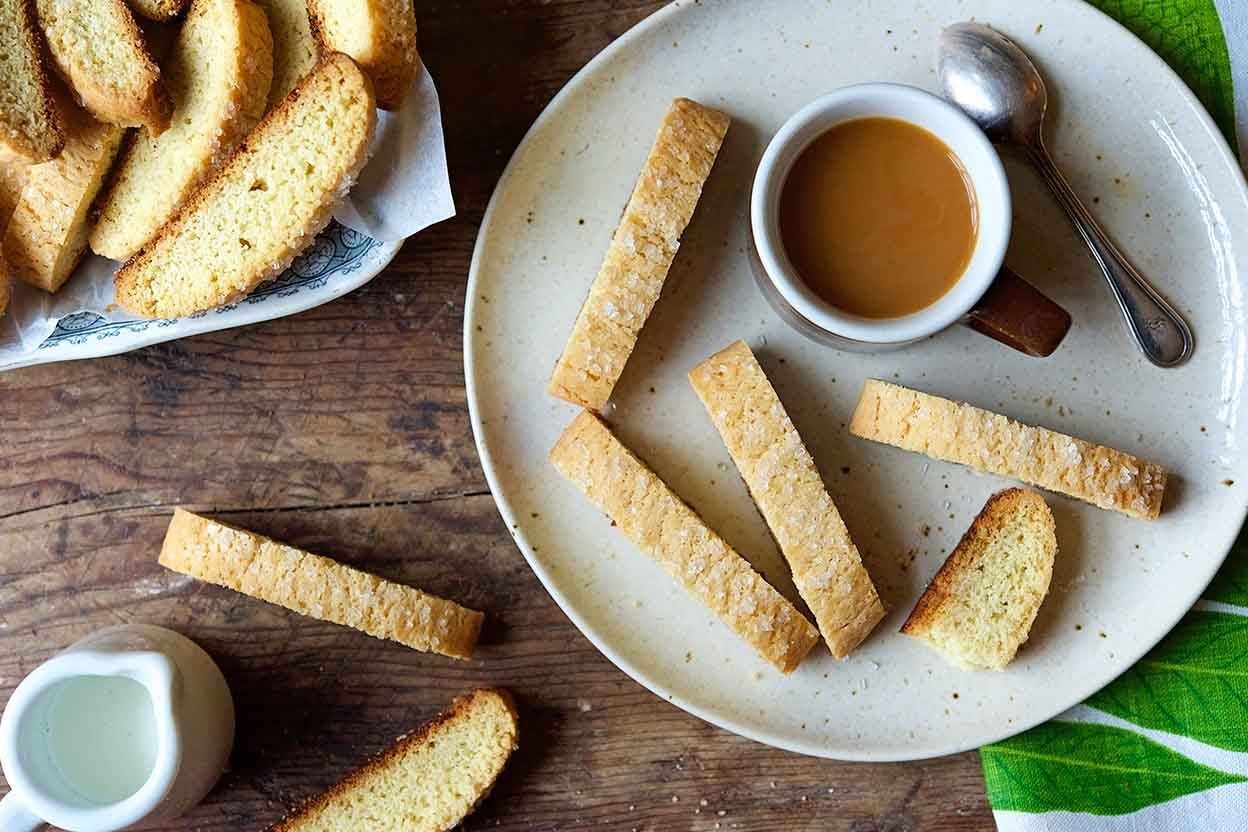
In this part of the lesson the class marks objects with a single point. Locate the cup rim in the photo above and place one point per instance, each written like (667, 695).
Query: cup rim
(951, 126)
(158, 676)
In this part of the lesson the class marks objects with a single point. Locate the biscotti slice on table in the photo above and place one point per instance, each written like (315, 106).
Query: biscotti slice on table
(98, 49)
(29, 124)
(992, 443)
(979, 608)
(295, 50)
(428, 781)
(640, 254)
(161, 11)
(12, 181)
(316, 586)
(665, 528)
(379, 34)
(249, 220)
(218, 75)
(785, 484)
(47, 234)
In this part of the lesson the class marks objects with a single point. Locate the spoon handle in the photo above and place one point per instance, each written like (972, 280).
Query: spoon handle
(1160, 332)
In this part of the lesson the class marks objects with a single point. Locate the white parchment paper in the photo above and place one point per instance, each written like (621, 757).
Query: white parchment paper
(404, 188)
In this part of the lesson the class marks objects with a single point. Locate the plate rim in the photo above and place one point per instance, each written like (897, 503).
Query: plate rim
(502, 504)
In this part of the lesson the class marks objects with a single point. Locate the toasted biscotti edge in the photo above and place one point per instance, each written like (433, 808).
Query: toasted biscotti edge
(161, 11)
(939, 427)
(941, 592)
(390, 59)
(261, 568)
(298, 241)
(127, 212)
(47, 142)
(460, 709)
(769, 453)
(640, 255)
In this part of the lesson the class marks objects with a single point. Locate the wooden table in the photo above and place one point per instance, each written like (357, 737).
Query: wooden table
(345, 430)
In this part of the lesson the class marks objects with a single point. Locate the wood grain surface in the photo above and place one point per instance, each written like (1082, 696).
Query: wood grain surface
(345, 430)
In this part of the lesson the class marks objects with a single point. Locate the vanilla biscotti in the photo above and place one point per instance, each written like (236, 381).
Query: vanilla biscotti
(159, 10)
(379, 34)
(266, 204)
(12, 181)
(661, 525)
(47, 233)
(640, 254)
(99, 51)
(979, 608)
(989, 442)
(218, 75)
(316, 586)
(29, 126)
(785, 484)
(294, 48)
(428, 781)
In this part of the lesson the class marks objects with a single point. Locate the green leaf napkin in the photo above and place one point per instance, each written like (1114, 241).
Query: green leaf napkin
(1165, 746)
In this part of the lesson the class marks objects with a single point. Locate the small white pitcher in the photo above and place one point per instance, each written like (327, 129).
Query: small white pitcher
(192, 722)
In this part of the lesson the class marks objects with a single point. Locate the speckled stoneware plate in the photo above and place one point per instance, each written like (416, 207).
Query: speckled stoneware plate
(1132, 139)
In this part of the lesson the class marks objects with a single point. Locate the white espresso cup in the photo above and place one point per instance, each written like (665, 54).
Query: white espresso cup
(776, 275)
(131, 725)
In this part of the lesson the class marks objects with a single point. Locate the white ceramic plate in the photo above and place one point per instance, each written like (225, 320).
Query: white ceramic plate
(1126, 131)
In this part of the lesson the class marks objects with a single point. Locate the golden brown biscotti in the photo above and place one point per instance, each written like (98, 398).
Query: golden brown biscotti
(316, 586)
(161, 11)
(12, 181)
(979, 608)
(785, 484)
(99, 51)
(428, 781)
(379, 34)
(294, 48)
(664, 527)
(218, 75)
(29, 126)
(989, 442)
(249, 220)
(640, 254)
(47, 234)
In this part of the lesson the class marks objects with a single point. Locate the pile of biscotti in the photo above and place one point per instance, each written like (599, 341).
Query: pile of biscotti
(978, 609)
(203, 143)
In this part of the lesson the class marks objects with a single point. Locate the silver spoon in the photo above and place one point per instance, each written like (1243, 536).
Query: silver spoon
(998, 86)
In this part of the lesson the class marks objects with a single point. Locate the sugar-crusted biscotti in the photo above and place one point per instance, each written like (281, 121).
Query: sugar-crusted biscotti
(47, 233)
(29, 126)
(317, 586)
(294, 48)
(99, 51)
(218, 75)
(428, 781)
(379, 34)
(640, 254)
(249, 220)
(979, 608)
(785, 484)
(656, 521)
(987, 441)
(159, 10)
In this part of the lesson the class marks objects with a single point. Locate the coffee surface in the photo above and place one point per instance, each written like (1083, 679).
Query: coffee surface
(878, 217)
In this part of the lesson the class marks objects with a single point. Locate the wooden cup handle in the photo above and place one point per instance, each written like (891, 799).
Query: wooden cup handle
(1019, 315)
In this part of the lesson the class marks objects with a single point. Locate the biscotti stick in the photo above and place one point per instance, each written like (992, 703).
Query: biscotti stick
(989, 442)
(315, 586)
(662, 526)
(785, 484)
(428, 781)
(641, 253)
